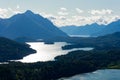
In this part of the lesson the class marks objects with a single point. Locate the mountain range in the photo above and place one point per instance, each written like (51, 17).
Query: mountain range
(109, 29)
(29, 25)
(93, 29)
(83, 30)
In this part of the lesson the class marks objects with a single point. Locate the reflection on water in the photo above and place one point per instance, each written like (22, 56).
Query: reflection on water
(108, 74)
(79, 35)
(46, 52)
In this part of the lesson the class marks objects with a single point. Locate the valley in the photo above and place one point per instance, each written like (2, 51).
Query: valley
(32, 45)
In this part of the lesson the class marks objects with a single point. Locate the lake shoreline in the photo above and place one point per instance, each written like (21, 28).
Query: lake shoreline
(48, 52)
(84, 75)
(66, 65)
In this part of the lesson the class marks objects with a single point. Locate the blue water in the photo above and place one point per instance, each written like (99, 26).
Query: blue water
(47, 52)
(107, 74)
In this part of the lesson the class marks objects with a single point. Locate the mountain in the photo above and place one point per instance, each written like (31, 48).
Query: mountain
(109, 29)
(106, 42)
(83, 30)
(11, 50)
(30, 25)
(1, 26)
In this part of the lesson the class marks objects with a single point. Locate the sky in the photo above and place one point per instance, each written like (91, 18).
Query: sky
(65, 12)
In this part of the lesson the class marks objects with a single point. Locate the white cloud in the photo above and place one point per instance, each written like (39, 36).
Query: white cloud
(63, 17)
(3, 12)
(10, 9)
(47, 15)
(15, 11)
(62, 20)
(58, 20)
(7, 12)
(63, 9)
(108, 19)
(101, 12)
(83, 20)
(63, 13)
(79, 10)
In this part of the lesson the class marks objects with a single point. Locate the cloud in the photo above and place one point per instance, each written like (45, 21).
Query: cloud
(63, 9)
(62, 20)
(17, 7)
(3, 12)
(63, 13)
(58, 20)
(79, 10)
(82, 20)
(101, 12)
(47, 15)
(14, 11)
(7, 12)
(108, 19)
(75, 19)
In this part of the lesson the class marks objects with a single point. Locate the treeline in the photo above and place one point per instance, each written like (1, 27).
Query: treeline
(106, 54)
(107, 42)
(11, 50)
(66, 65)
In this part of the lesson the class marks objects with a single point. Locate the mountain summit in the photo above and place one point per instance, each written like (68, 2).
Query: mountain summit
(30, 25)
(29, 12)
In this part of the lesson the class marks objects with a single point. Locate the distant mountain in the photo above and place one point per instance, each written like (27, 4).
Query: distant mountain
(1, 27)
(109, 29)
(83, 30)
(11, 50)
(106, 42)
(29, 25)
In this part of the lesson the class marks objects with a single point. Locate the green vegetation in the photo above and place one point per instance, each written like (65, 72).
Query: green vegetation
(107, 42)
(75, 62)
(105, 55)
(98, 58)
(11, 50)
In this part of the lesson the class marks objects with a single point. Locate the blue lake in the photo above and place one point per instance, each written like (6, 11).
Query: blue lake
(47, 52)
(107, 74)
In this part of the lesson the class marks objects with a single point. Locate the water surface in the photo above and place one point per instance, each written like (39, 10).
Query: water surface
(107, 74)
(47, 52)
(79, 35)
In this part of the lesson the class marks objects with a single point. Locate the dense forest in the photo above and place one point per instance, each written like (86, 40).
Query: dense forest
(106, 54)
(107, 42)
(66, 65)
(11, 50)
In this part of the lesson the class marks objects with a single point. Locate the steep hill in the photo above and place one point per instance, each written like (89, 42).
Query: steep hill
(30, 25)
(11, 50)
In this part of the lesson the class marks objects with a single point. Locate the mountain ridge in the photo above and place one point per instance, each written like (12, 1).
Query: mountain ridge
(93, 30)
(30, 25)
(82, 30)
(109, 29)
